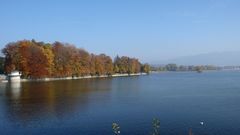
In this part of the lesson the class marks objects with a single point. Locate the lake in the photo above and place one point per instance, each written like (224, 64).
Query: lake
(180, 100)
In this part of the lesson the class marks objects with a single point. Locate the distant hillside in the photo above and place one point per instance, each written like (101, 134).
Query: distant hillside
(217, 58)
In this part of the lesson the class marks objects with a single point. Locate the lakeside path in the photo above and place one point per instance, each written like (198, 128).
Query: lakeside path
(76, 78)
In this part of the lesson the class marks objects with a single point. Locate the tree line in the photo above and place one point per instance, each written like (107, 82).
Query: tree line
(38, 60)
(175, 67)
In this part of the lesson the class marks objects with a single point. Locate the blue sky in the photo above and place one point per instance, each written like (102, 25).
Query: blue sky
(147, 29)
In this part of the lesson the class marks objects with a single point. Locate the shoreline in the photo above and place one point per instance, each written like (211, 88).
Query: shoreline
(73, 78)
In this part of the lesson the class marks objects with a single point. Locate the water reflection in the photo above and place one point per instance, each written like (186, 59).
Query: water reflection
(35, 101)
(13, 89)
(179, 100)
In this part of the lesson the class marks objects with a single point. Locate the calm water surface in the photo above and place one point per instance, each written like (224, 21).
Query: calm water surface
(89, 107)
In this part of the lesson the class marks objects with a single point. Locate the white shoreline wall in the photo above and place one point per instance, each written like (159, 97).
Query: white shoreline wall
(82, 77)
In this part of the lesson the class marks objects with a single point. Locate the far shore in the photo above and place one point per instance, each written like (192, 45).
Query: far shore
(76, 78)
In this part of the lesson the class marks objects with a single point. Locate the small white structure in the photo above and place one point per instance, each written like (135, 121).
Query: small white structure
(14, 76)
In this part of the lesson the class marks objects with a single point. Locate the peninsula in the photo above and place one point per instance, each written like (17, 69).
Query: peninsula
(39, 60)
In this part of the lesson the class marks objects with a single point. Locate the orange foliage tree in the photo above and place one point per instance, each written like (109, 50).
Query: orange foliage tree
(40, 60)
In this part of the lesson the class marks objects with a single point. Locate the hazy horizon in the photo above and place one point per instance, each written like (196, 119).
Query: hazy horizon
(152, 31)
(227, 58)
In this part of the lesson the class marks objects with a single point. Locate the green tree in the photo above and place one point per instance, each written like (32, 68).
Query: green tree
(171, 67)
(116, 68)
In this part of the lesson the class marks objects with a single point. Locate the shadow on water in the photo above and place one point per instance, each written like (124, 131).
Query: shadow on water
(27, 102)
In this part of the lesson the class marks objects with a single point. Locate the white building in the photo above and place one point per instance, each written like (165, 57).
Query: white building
(14, 76)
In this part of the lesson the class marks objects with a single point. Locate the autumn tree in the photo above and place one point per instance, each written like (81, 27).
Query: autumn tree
(49, 57)
(12, 57)
(92, 65)
(84, 62)
(32, 59)
(108, 64)
(145, 68)
(125, 64)
(134, 65)
(39, 60)
(62, 55)
(99, 67)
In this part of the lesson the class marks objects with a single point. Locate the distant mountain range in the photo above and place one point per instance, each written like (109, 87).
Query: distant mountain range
(216, 58)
